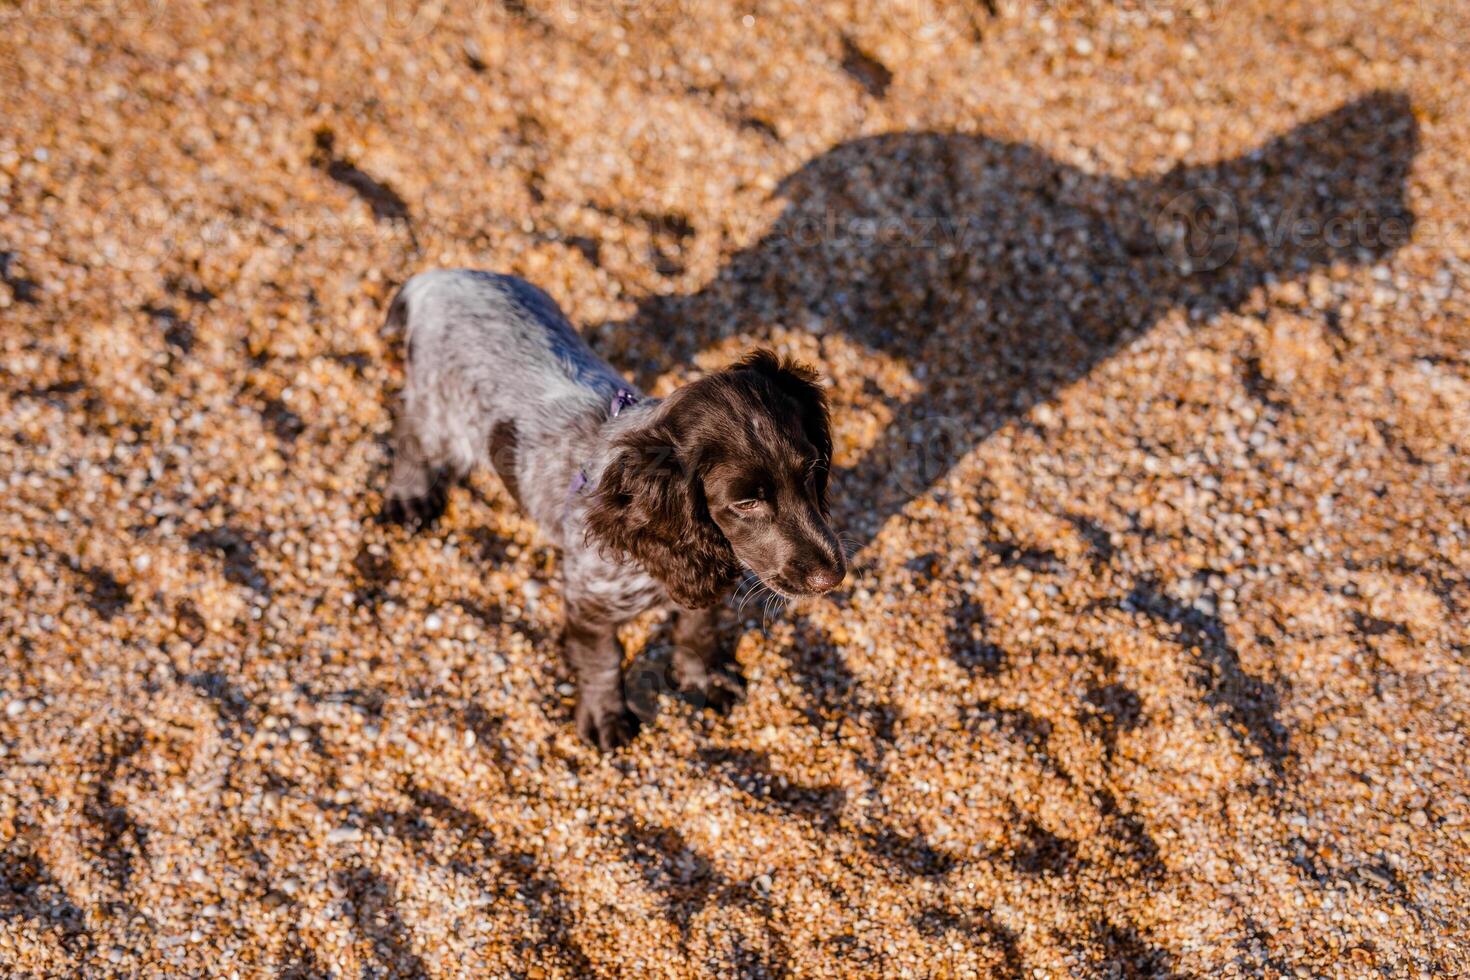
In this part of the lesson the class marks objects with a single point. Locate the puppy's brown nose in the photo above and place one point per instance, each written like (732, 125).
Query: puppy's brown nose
(823, 579)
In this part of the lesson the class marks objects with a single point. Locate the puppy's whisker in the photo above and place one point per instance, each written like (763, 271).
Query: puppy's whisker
(771, 605)
(761, 593)
(748, 587)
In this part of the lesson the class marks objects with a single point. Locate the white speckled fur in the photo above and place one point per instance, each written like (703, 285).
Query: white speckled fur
(486, 349)
(497, 375)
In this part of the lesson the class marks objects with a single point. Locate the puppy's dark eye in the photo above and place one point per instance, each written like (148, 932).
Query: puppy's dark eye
(748, 506)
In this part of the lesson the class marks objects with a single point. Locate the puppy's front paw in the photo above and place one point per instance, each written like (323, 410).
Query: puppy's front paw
(416, 513)
(606, 726)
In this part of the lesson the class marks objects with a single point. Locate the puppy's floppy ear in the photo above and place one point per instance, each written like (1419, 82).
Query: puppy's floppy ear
(803, 385)
(649, 505)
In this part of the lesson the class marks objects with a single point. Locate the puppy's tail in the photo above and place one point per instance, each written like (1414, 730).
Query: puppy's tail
(397, 332)
(398, 326)
(395, 325)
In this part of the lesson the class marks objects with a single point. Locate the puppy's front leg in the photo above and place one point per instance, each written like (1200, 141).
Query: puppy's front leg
(418, 489)
(592, 648)
(702, 668)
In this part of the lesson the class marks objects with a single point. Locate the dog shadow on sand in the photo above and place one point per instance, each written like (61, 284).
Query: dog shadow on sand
(999, 275)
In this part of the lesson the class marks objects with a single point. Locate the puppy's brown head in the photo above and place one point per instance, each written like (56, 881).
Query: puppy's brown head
(731, 473)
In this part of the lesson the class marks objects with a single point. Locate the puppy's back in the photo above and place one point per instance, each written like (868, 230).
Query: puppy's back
(491, 360)
(456, 317)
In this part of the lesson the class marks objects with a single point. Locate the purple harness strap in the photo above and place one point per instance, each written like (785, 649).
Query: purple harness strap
(623, 399)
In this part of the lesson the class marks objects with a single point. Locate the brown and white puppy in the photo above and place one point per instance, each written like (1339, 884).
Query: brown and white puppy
(653, 501)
